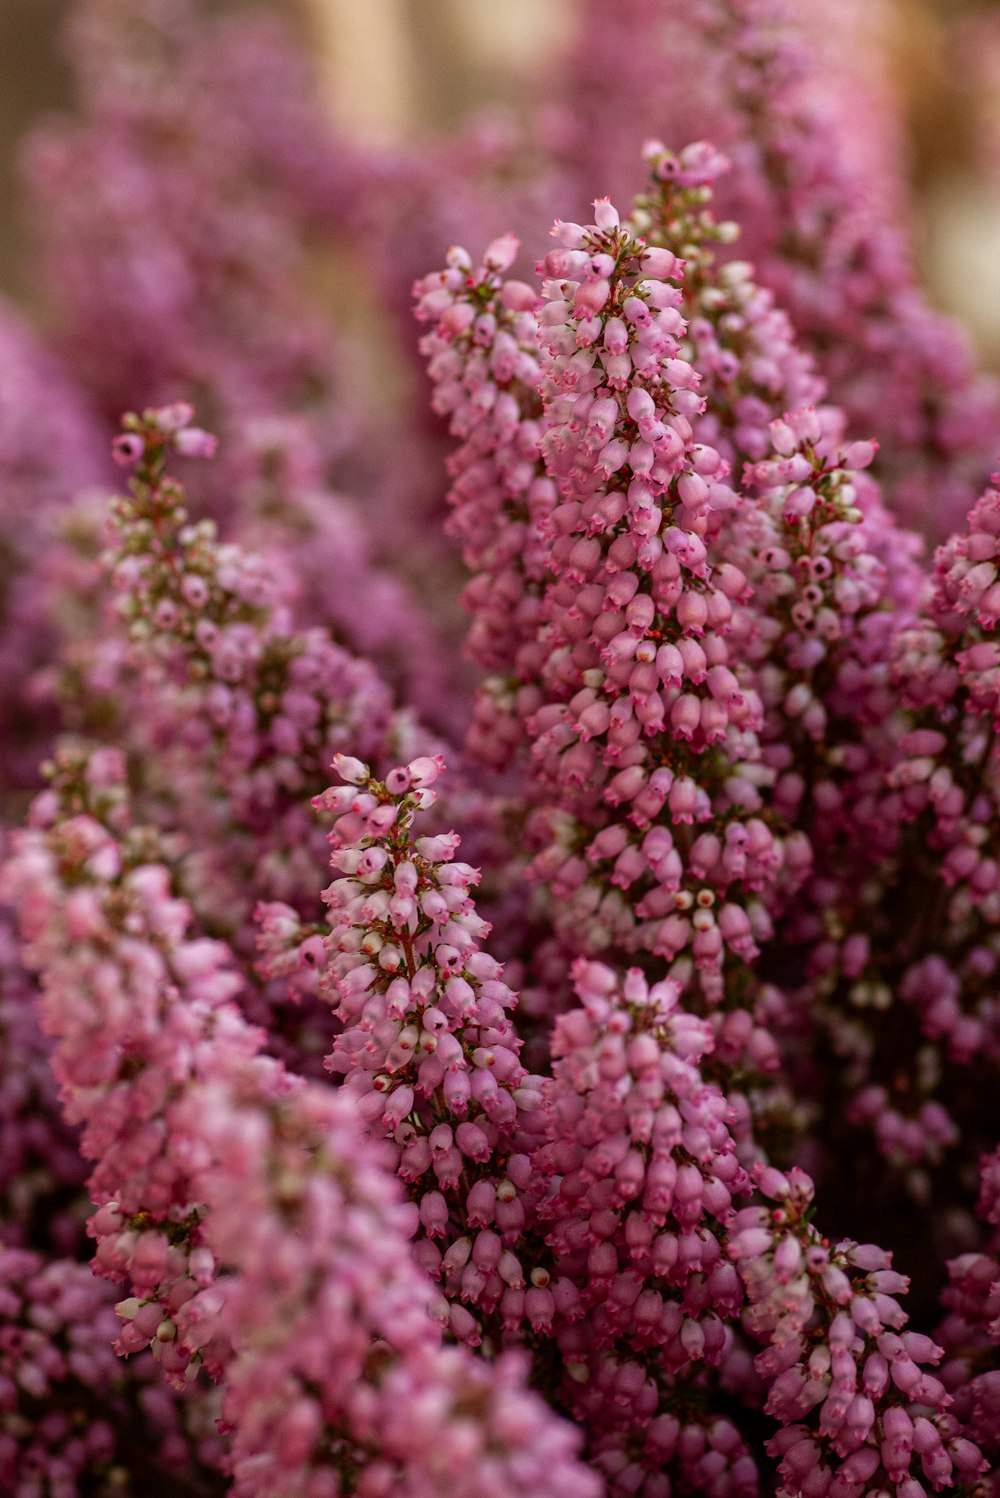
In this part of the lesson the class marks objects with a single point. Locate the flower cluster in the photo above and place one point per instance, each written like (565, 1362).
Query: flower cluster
(188, 1120)
(817, 192)
(498, 1165)
(838, 1354)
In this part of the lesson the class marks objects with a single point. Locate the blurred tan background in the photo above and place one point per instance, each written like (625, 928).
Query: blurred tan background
(391, 68)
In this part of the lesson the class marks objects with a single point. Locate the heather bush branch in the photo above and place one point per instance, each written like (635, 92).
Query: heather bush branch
(187, 1118)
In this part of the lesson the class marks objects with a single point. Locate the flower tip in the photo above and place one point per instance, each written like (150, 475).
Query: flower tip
(193, 442)
(501, 253)
(606, 214)
(127, 449)
(354, 771)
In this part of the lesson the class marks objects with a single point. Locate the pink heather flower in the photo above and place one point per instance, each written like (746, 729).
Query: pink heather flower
(246, 711)
(816, 190)
(645, 1173)
(68, 1415)
(206, 1126)
(486, 373)
(846, 1379)
(427, 1047)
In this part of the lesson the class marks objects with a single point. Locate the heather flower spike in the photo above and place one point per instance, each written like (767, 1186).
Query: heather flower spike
(246, 709)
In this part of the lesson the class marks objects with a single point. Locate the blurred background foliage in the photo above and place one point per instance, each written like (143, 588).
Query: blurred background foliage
(392, 69)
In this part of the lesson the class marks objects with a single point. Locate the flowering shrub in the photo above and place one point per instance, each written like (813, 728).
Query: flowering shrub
(615, 1116)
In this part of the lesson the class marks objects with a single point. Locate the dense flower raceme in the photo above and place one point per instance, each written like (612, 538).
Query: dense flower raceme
(971, 1329)
(311, 1307)
(899, 925)
(483, 358)
(815, 225)
(860, 1414)
(645, 1172)
(244, 711)
(69, 1422)
(587, 635)
(428, 1048)
(637, 617)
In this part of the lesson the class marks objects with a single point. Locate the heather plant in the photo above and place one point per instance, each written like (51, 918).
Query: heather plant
(619, 1117)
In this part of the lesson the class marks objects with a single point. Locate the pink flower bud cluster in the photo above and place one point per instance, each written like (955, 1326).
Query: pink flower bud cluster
(67, 1417)
(642, 623)
(146, 1225)
(429, 1052)
(820, 227)
(920, 785)
(785, 513)
(645, 1174)
(319, 1319)
(55, 1340)
(339, 1375)
(753, 370)
(236, 691)
(742, 398)
(482, 355)
(860, 1414)
(808, 524)
(971, 1328)
(967, 595)
(40, 1167)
